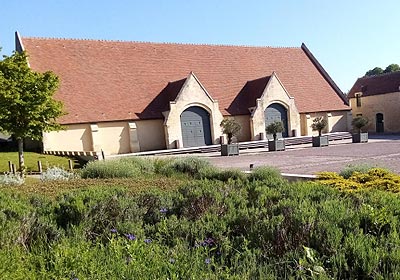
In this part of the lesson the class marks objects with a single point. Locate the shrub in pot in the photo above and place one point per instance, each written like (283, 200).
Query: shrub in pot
(358, 124)
(319, 123)
(231, 128)
(274, 128)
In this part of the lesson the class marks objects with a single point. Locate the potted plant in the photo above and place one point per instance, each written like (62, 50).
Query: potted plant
(358, 123)
(319, 123)
(231, 128)
(274, 128)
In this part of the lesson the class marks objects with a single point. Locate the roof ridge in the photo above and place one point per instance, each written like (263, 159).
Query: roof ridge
(157, 43)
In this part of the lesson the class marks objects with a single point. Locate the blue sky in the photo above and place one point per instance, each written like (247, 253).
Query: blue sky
(348, 37)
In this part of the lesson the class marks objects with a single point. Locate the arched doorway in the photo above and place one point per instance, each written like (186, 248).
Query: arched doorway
(195, 124)
(276, 112)
(379, 123)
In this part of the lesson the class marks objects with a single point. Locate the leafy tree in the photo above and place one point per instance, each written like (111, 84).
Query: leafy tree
(319, 123)
(375, 71)
(359, 122)
(231, 128)
(274, 128)
(27, 107)
(392, 68)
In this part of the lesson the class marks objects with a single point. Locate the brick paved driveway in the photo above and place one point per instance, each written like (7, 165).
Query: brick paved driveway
(382, 151)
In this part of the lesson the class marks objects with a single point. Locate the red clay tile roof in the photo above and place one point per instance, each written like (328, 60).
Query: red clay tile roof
(247, 96)
(378, 84)
(109, 80)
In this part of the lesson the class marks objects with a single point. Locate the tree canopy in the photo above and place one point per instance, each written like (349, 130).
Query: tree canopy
(377, 70)
(27, 107)
(231, 128)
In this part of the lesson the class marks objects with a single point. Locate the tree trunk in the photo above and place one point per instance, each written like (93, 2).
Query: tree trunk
(21, 160)
(230, 135)
(319, 133)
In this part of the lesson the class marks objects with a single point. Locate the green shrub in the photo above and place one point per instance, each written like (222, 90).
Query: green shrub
(230, 174)
(213, 173)
(145, 165)
(350, 169)
(268, 174)
(218, 227)
(121, 168)
(191, 166)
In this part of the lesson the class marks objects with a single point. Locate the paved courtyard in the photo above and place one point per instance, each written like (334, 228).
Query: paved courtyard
(381, 151)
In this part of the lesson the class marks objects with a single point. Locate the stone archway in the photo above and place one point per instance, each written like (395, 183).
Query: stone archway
(276, 112)
(379, 123)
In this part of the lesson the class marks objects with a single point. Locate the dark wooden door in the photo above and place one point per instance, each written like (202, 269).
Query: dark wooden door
(379, 123)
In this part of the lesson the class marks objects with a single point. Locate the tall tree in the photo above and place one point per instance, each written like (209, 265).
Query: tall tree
(392, 68)
(375, 71)
(27, 107)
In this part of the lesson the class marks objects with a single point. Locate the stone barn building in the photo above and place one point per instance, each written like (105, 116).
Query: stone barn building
(377, 98)
(124, 97)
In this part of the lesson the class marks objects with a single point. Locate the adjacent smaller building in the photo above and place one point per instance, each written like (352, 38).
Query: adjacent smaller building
(377, 98)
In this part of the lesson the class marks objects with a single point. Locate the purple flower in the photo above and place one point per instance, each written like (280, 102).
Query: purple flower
(208, 242)
(113, 230)
(147, 240)
(130, 236)
(163, 210)
(207, 261)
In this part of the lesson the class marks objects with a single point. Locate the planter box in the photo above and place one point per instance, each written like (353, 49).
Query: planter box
(360, 137)
(320, 141)
(278, 145)
(229, 149)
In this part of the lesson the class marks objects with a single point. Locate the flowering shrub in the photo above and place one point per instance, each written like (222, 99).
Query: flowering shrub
(374, 178)
(11, 179)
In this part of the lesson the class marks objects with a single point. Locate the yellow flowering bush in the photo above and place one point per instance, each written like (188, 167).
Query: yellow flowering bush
(375, 178)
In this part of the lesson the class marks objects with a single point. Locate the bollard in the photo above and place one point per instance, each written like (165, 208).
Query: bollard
(13, 168)
(70, 164)
(10, 166)
(39, 164)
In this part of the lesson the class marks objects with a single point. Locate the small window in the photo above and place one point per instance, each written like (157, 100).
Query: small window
(358, 100)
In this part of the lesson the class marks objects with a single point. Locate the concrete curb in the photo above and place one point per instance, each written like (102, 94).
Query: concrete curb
(293, 177)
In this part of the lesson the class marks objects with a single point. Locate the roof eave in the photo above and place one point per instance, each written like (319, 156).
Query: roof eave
(19, 46)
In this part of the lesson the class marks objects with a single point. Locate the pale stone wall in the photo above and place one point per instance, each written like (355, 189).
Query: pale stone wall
(244, 121)
(109, 137)
(75, 137)
(274, 93)
(387, 104)
(151, 135)
(112, 138)
(191, 94)
(337, 121)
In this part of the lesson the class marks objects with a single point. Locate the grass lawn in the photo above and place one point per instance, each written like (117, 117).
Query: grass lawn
(31, 160)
